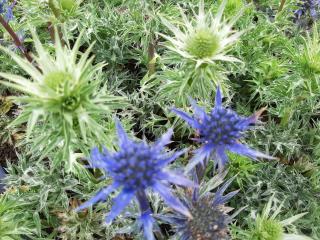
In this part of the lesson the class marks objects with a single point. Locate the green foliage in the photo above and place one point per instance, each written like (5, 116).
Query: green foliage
(243, 168)
(50, 196)
(14, 222)
(267, 226)
(157, 54)
(287, 185)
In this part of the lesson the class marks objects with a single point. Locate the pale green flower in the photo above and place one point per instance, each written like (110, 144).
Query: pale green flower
(268, 227)
(64, 97)
(205, 40)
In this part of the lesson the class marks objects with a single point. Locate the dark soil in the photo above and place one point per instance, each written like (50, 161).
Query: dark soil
(7, 153)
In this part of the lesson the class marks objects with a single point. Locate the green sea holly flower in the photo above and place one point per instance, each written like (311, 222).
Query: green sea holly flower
(268, 227)
(63, 99)
(61, 8)
(68, 5)
(205, 40)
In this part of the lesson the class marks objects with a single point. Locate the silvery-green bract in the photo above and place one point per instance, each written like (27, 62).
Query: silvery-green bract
(205, 40)
(63, 97)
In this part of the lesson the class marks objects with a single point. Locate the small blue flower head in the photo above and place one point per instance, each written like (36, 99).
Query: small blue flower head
(2, 3)
(219, 131)
(4, 8)
(135, 168)
(210, 216)
(308, 6)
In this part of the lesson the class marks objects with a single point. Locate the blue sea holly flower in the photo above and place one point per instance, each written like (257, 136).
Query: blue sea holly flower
(9, 15)
(219, 131)
(210, 215)
(308, 6)
(2, 3)
(135, 168)
(7, 9)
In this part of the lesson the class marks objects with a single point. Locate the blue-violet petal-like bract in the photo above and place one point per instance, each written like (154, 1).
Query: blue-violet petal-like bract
(210, 215)
(135, 168)
(219, 131)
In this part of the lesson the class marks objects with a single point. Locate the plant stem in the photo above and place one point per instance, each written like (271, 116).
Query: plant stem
(283, 2)
(51, 31)
(16, 39)
(151, 55)
(145, 209)
(2, 176)
(143, 202)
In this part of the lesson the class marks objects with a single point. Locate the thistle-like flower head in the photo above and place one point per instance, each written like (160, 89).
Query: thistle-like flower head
(219, 131)
(210, 217)
(8, 9)
(206, 40)
(267, 226)
(63, 93)
(136, 167)
(308, 6)
(2, 5)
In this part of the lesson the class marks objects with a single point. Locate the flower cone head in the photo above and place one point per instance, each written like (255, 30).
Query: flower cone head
(220, 130)
(208, 223)
(206, 39)
(62, 93)
(270, 229)
(210, 219)
(68, 5)
(136, 167)
(203, 44)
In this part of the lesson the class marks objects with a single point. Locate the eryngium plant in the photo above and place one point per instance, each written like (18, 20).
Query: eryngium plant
(267, 227)
(62, 97)
(210, 218)
(206, 41)
(219, 131)
(198, 47)
(63, 8)
(136, 168)
(14, 223)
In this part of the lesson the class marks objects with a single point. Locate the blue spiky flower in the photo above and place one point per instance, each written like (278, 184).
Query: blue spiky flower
(8, 9)
(2, 5)
(219, 131)
(210, 215)
(308, 6)
(135, 168)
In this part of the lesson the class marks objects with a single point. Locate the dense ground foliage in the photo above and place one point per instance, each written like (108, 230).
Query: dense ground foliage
(160, 119)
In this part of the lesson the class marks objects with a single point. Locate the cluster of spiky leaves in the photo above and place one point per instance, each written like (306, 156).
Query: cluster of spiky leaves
(289, 185)
(200, 46)
(278, 70)
(62, 96)
(14, 222)
(210, 216)
(267, 226)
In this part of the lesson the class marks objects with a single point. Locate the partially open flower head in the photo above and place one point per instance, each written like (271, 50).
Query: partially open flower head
(6, 9)
(68, 5)
(219, 131)
(135, 168)
(207, 39)
(267, 226)
(210, 219)
(63, 8)
(62, 92)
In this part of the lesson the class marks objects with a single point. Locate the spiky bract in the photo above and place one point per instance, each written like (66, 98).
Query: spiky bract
(135, 168)
(207, 40)
(219, 131)
(62, 97)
